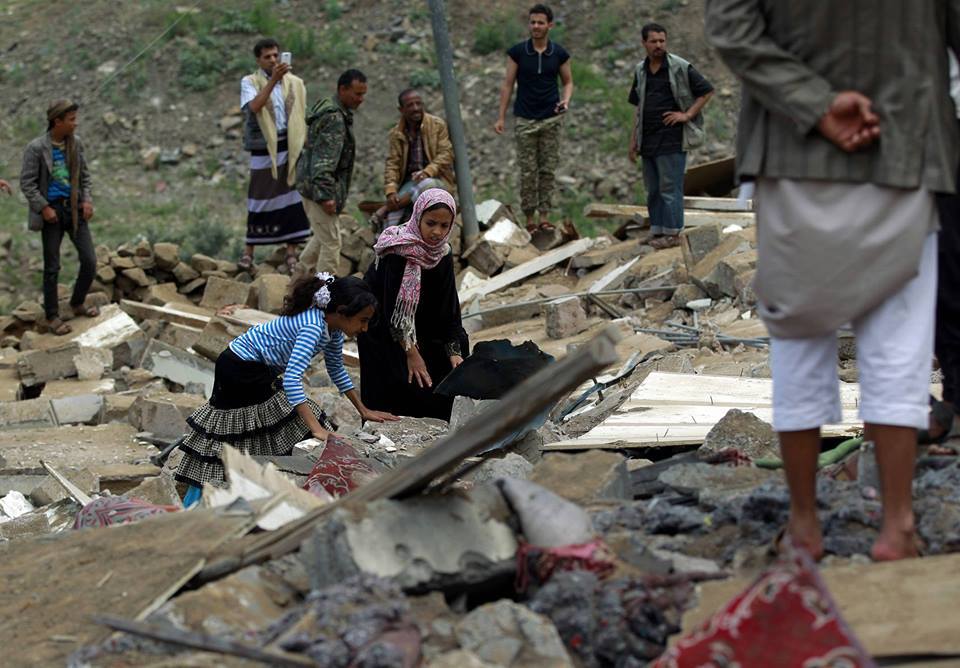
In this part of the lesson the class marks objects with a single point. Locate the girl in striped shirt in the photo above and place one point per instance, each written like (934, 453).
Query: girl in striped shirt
(249, 408)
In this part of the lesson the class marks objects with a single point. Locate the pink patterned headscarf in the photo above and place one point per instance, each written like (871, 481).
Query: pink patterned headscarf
(405, 240)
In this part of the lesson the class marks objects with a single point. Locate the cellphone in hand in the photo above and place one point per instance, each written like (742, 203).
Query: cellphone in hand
(286, 57)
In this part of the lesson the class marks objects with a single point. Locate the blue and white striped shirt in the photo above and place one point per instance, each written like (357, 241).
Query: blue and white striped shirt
(288, 344)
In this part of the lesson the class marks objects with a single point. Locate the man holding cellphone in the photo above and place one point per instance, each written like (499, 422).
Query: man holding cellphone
(274, 130)
(535, 65)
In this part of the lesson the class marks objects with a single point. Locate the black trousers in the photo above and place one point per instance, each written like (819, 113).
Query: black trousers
(52, 235)
(947, 343)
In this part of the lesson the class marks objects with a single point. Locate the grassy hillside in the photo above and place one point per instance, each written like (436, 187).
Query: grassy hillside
(174, 96)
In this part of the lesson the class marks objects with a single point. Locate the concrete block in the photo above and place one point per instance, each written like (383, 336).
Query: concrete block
(722, 280)
(163, 414)
(179, 336)
(697, 242)
(520, 254)
(222, 292)
(485, 257)
(161, 490)
(184, 273)
(508, 634)
(564, 317)
(92, 363)
(585, 477)
(686, 293)
(118, 333)
(468, 278)
(421, 542)
(106, 274)
(167, 255)
(510, 465)
(121, 264)
(203, 263)
(80, 409)
(39, 366)
(491, 210)
(162, 294)
(138, 277)
(505, 232)
(702, 273)
(29, 414)
(50, 491)
(178, 366)
(215, 337)
(271, 291)
(192, 286)
(116, 408)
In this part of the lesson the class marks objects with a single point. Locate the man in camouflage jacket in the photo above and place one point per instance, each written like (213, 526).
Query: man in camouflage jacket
(325, 168)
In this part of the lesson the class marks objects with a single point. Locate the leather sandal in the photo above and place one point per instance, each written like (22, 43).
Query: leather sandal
(56, 326)
(89, 311)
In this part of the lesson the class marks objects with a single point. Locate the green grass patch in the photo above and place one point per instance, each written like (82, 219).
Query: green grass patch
(606, 30)
(498, 33)
(425, 78)
(332, 10)
(335, 48)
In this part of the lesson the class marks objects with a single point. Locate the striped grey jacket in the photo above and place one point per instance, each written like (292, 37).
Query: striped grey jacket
(793, 56)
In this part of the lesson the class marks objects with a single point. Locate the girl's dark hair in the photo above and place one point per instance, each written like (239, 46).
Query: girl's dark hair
(438, 205)
(348, 296)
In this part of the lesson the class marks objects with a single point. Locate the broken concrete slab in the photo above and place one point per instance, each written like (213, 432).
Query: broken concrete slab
(508, 634)
(163, 414)
(92, 363)
(13, 505)
(162, 294)
(222, 292)
(160, 490)
(39, 366)
(505, 232)
(178, 366)
(485, 257)
(51, 491)
(702, 272)
(697, 242)
(78, 409)
(117, 332)
(421, 542)
(28, 414)
(116, 408)
(511, 465)
(741, 431)
(617, 252)
(714, 484)
(215, 337)
(585, 477)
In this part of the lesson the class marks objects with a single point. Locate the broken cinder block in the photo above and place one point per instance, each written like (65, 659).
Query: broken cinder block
(564, 317)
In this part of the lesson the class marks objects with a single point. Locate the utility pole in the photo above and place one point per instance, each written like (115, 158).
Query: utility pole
(451, 104)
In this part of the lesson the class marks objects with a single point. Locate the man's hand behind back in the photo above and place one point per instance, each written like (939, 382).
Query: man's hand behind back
(850, 122)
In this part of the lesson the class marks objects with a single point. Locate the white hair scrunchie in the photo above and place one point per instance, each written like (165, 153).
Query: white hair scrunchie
(322, 296)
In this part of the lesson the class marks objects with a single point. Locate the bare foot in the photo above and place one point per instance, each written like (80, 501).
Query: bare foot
(806, 534)
(893, 545)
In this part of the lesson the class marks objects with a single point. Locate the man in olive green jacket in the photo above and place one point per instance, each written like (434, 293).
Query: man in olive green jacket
(848, 129)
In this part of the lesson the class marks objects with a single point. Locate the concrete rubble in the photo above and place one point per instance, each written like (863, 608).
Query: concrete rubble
(557, 548)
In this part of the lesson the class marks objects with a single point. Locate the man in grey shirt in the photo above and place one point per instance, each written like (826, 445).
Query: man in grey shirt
(846, 167)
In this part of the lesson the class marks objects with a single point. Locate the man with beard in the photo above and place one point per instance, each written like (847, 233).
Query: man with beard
(420, 158)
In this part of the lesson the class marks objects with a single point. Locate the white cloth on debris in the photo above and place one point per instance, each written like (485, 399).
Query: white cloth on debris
(894, 354)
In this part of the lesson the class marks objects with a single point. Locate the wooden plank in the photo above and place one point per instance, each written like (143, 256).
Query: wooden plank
(611, 280)
(168, 313)
(716, 178)
(528, 268)
(146, 563)
(670, 409)
(617, 252)
(717, 204)
(895, 608)
(691, 217)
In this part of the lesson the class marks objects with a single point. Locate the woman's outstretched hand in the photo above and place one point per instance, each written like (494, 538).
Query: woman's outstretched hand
(455, 361)
(377, 416)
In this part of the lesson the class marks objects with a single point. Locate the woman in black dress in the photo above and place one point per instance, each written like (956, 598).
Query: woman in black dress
(417, 337)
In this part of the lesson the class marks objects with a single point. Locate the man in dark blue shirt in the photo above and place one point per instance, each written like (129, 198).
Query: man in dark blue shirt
(669, 95)
(534, 65)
